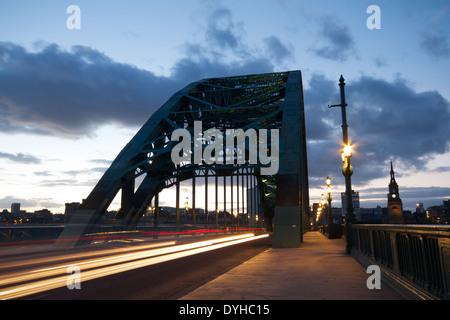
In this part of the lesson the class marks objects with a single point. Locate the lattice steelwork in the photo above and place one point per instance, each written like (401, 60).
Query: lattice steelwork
(262, 101)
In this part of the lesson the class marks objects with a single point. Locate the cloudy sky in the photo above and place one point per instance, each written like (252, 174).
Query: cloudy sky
(70, 99)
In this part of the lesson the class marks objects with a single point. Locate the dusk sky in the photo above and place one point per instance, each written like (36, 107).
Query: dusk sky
(70, 99)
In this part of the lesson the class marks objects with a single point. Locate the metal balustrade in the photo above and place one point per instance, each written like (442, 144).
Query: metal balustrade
(413, 258)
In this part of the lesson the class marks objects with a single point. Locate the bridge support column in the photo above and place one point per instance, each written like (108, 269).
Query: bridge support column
(287, 216)
(292, 199)
(127, 198)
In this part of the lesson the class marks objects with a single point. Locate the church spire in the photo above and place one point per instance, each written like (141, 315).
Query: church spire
(392, 173)
(395, 206)
(393, 186)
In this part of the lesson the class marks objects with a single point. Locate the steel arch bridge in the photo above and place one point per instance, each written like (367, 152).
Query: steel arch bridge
(253, 103)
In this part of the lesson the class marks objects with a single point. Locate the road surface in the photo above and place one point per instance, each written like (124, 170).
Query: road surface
(161, 280)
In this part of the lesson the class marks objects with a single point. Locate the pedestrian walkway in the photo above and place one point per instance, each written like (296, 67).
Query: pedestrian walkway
(319, 269)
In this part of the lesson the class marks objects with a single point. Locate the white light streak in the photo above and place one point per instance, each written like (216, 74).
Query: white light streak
(93, 269)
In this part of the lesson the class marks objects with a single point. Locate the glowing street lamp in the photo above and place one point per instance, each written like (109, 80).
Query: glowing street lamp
(346, 153)
(348, 150)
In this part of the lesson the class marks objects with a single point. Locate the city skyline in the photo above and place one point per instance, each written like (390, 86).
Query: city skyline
(70, 99)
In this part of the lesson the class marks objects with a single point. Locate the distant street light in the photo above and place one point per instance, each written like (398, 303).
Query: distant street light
(318, 212)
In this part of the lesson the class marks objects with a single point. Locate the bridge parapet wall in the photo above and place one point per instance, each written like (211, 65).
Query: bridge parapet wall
(413, 258)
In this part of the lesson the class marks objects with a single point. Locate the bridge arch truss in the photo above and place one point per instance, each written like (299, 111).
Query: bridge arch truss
(271, 101)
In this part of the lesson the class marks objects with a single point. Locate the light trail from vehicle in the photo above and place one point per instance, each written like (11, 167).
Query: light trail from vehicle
(71, 256)
(56, 276)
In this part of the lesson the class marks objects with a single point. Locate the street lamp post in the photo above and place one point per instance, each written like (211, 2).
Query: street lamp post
(347, 169)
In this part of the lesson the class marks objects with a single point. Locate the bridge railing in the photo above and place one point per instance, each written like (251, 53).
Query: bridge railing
(413, 258)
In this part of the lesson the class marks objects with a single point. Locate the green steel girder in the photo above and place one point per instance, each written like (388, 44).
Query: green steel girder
(260, 101)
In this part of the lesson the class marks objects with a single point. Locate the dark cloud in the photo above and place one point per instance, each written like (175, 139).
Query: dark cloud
(436, 45)
(387, 120)
(380, 62)
(203, 66)
(277, 50)
(71, 93)
(59, 183)
(85, 171)
(5, 203)
(221, 30)
(321, 92)
(339, 44)
(57, 92)
(101, 161)
(225, 53)
(20, 158)
(410, 196)
(442, 169)
(397, 122)
(43, 173)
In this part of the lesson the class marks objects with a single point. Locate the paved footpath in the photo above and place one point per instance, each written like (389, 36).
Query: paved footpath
(318, 270)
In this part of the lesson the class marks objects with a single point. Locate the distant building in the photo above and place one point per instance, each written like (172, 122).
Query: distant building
(15, 208)
(437, 214)
(336, 214)
(371, 215)
(446, 209)
(434, 214)
(395, 204)
(70, 209)
(355, 202)
(420, 213)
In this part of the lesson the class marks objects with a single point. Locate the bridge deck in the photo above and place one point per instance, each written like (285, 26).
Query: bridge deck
(319, 269)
